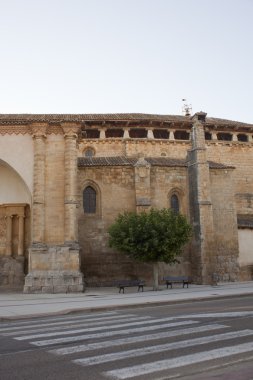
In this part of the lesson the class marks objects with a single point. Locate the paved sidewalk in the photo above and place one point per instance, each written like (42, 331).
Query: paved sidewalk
(18, 305)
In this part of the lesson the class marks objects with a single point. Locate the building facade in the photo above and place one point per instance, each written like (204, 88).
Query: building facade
(65, 178)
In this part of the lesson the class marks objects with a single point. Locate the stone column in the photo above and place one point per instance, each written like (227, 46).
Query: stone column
(214, 135)
(234, 137)
(150, 134)
(102, 134)
(70, 202)
(126, 133)
(201, 209)
(171, 135)
(9, 235)
(21, 235)
(38, 214)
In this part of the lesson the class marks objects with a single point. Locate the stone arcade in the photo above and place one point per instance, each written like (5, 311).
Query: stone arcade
(65, 178)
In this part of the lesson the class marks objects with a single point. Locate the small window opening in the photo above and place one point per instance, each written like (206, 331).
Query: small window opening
(208, 136)
(114, 133)
(224, 136)
(138, 133)
(161, 134)
(174, 203)
(242, 137)
(181, 135)
(91, 134)
(89, 200)
(89, 152)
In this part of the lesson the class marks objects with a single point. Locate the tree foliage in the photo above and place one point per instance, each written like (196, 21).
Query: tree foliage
(153, 236)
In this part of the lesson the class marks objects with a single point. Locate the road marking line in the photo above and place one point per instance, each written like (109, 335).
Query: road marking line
(181, 361)
(109, 333)
(136, 321)
(160, 348)
(135, 339)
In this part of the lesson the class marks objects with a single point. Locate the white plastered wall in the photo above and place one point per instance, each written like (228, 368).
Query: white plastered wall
(12, 187)
(245, 237)
(17, 152)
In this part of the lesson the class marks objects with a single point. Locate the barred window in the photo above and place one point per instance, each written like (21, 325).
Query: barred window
(89, 200)
(174, 203)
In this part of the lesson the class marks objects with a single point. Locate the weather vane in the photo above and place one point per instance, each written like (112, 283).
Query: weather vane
(187, 108)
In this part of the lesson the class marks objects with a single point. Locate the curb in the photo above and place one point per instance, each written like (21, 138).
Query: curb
(122, 307)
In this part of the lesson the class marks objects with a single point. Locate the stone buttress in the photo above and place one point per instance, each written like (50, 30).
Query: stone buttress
(54, 263)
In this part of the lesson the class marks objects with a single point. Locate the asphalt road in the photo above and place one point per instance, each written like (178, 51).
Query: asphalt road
(198, 340)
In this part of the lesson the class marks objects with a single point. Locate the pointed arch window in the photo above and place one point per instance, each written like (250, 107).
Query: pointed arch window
(174, 203)
(89, 200)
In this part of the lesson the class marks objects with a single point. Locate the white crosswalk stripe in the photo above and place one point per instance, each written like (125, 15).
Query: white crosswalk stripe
(180, 361)
(70, 321)
(66, 325)
(113, 338)
(107, 334)
(56, 320)
(136, 339)
(140, 321)
(160, 348)
(133, 322)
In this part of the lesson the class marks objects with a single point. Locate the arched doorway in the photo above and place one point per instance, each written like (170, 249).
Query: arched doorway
(15, 200)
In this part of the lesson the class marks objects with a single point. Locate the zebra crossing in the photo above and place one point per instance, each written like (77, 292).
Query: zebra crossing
(107, 340)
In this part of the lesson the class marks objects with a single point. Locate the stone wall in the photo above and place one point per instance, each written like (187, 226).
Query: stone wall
(135, 147)
(239, 155)
(225, 255)
(11, 272)
(42, 157)
(116, 192)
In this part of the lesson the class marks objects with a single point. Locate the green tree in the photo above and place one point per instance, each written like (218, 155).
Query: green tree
(153, 236)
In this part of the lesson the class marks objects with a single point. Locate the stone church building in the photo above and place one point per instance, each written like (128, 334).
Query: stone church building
(65, 178)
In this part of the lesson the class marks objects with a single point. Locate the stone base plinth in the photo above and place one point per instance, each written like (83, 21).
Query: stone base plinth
(54, 282)
(11, 271)
(246, 273)
(54, 270)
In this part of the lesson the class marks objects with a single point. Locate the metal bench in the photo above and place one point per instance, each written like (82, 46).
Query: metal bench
(122, 284)
(185, 280)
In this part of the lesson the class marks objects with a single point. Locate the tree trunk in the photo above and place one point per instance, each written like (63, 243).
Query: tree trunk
(155, 276)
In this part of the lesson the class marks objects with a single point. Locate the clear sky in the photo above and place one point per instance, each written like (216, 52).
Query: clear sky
(125, 56)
